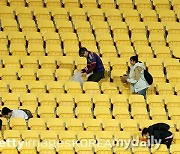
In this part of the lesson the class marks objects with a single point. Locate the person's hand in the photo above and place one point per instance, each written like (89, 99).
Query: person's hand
(123, 79)
(84, 74)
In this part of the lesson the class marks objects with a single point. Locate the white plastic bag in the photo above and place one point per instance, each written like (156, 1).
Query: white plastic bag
(77, 77)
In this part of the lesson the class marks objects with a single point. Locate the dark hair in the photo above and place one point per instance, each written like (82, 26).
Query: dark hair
(82, 51)
(144, 131)
(6, 110)
(134, 58)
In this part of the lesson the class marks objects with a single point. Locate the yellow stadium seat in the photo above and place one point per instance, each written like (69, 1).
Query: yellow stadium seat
(91, 47)
(69, 38)
(47, 62)
(67, 136)
(23, 12)
(71, 50)
(124, 5)
(109, 88)
(118, 27)
(158, 76)
(18, 49)
(143, 5)
(48, 27)
(12, 134)
(48, 135)
(144, 51)
(73, 87)
(32, 108)
(131, 15)
(118, 150)
(29, 62)
(158, 113)
(173, 40)
(100, 26)
(16, 37)
(175, 4)
(5, 124)
(95, 14)
(161, 149)
(154, 64)
(46, 112)
(56, 124)
(173, 76)
(59, 13)
(7, 149)
(121, 112)
(84, 112)
(45, 149)
(177, 88)
(36, 124)
(171, 64)
(29, 100)
(3, 38)
(82, 26)
(148, 16)
(161, 51)
(105, 149)
(4, 86)
(143, 150)
(125, 50)
(93, 125)
(166, 16)
(18, 86)
(63, 25)
(173, 113)
(116, 73)
(137, 101)
(128, 125)
(53, 50)
(101, 100)
(108, 51)
(122, 39)
(164, 89)
(137, 27)
(25, 149)
(157, 39)
(77, 14)
(172, 28)
(27, 74)
(175, 149)
(107, 4)
(36, 87)
(80, 63)
(91, 87)
(41, 13)
(176, 138)
(27, 25)
(113, 15)
(82, 150)
(65, 62)
(10, 99)
(36, 50)
(73, 124)
(111, 125)
(3, 50)
(83, 100)
(63, 74)
(52, 4)
(45, 74)
(104, 136)
(11, 62)
(62, 150)
(46, 100)
(155, 101)
(161, 4)
(175, 52)
(139, 113)
(9, 24)
(119, 100)
(139, 39)
(65, 100)
(86, 38)
(8, 74)
(33, 37)
(88, 4)
(6, 12)
(104, 39)
(102, 112)
(18, 124)
(70, 4)
(35, 3)
(145, 123)
(55, 87)
(3, 3)
(51, 37)
(155, 28)
(65, 112)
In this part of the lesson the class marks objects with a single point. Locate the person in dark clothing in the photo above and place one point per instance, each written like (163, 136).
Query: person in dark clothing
(159, 131)
(94, 65)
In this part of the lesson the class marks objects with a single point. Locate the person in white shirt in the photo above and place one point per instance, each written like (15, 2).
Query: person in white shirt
(138, 83)
(8, 113)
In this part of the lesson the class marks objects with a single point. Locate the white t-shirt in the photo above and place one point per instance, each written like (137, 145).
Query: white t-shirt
(19, 114)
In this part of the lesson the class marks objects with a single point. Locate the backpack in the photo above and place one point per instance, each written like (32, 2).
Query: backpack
(148, 77)
(29, 114)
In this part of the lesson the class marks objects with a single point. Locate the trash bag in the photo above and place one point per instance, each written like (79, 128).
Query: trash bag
(77, 77)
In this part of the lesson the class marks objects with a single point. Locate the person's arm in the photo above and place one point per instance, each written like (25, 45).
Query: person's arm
(137, 72)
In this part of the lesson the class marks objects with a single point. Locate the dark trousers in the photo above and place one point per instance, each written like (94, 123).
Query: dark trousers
(96, 77)
(167, 142)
